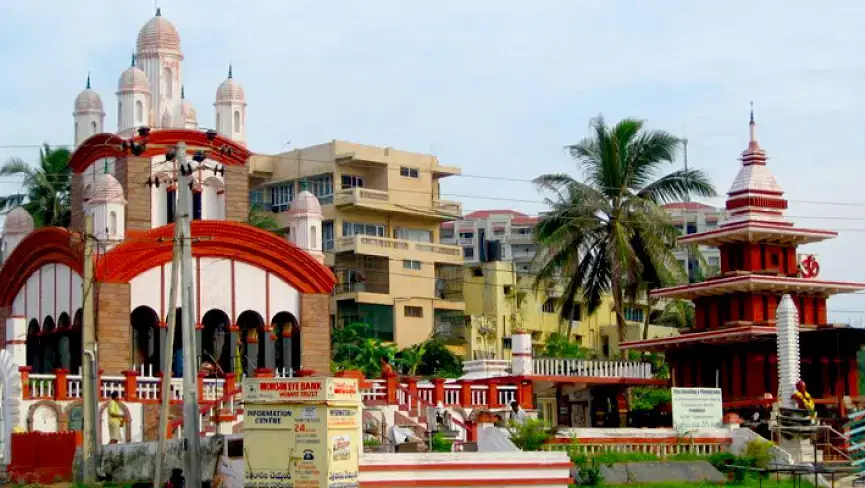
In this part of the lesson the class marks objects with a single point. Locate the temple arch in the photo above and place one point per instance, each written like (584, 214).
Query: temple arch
(286, 344)
(146, 339)
(253, 350)
(33, 346)
(216, 340)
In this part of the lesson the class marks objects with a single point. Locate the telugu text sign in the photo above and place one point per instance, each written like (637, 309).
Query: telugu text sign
(695, 408)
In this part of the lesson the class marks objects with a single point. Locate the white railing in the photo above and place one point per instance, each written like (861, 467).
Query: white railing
(591, 368)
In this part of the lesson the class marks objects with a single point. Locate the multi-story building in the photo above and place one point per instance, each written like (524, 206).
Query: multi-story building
(692, 218)
(380, 232)
(500, 293)
(511, 228)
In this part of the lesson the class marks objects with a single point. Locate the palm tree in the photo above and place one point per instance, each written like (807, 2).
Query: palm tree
(45, 188)
(609, 232)
(678, 314)
(260, 219)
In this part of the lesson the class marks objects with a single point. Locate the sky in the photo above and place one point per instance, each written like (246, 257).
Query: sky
(495, 87)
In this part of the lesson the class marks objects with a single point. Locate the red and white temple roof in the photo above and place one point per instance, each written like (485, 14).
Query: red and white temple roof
(757, 283)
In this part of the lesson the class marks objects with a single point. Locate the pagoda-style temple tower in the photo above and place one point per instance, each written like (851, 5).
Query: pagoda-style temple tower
(732, 342)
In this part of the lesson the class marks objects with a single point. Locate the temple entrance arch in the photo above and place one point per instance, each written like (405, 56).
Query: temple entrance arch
(146, 343)
(216, 346)
(287, 343)
(253, 342)
(33, 346)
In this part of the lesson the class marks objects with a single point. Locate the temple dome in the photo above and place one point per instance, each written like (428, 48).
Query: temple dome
(305, 202)
(18, 221)
(133, 80)
(88, 101)
(158, 35)
(106, 189)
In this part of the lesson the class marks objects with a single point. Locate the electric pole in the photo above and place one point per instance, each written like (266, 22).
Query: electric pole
(169, 356)
(88, 356)
(191, 424)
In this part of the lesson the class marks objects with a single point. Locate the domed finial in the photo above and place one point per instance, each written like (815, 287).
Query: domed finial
(182, 92)
(752, 126)
(229, 69)
(133, 58)
(158, 12)
(88, 80)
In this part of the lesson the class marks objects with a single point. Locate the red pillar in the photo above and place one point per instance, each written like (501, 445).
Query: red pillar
(822, 319)
(61, 384)
(131, 385)
(24, 371)
(465, 394)
(807, 311)
(200, 384)
(471, 431)
(493, 394)
(438, 391)
(714, 318)
(526, 395)
(756, 375)
(853, 376)
(826, 366)
(411, 386)
(391, 383)
(773, 306)
(230, 383)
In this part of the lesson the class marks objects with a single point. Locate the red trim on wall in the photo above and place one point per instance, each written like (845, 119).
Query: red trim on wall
(102, 146)
(42, 246)
(220, 239)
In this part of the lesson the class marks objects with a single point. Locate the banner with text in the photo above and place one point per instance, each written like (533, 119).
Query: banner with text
(695, 408)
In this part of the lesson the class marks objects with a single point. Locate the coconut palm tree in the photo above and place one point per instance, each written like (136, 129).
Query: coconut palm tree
(45, 188)
(609, 232)
(260, 219)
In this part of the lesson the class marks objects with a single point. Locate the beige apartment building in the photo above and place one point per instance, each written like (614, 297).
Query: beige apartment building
(380, 232)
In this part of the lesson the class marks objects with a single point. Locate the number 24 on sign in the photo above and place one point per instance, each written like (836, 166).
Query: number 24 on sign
(300, 427)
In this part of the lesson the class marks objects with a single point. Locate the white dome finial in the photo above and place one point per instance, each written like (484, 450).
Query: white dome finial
(157, 36)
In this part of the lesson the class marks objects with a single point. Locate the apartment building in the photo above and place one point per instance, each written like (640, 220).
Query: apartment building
(500, 294)
(380, 233)
(690, 218)
(510, 228)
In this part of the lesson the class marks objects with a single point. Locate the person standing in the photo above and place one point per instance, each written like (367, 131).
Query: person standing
(518, 415)
(116, 419)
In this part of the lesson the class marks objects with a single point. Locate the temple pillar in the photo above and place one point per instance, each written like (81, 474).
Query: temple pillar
(252, 346)
(807, 310)
(853, 375)
(822, 319)
(269, 345)
(825, 376)
(699, 313)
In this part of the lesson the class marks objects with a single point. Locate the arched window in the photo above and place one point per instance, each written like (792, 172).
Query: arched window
(312, 237)
(139, 112)
(217, 122)
(237, 121)
(112, 223)
(92, 127)
(76, 132)
(168, 79)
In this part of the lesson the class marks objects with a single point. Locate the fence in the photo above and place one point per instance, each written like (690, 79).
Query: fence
(43, 458)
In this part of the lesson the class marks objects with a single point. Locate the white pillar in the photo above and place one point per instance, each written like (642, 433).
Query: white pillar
(521, 350)
(16, 339)
(787, 323)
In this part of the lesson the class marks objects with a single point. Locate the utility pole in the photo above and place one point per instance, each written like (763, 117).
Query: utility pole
(88, 353)
(169, 356)
(191, 424)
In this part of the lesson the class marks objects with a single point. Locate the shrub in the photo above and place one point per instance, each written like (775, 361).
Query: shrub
(759, 452)
(531, 435)
(440, 444)
(589, 471)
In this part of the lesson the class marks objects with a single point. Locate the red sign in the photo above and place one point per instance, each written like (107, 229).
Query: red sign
(809, 267)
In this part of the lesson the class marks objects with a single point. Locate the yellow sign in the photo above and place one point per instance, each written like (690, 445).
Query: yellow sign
(278, 390)
(298, 442)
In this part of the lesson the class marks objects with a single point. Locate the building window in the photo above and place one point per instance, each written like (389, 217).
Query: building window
(412, 311)
(76, 132)
(411, 264)
(112, 223)
(711, 225)
(692, 228)
(469, 252)
(408, 172)
(349, 181)
(196, 205)
(634, 314)
(256, 199)
(168, 78)
(139, 112)
(322, 187)
(446, 234)
(713, 262)
(467, 235)
(415, 235)
(237, 121)
(327, 235)
(360, 229)
(680, 229)
(549, 305)
(171, 205)
(313, 238)
(92, 127)
(281, 197)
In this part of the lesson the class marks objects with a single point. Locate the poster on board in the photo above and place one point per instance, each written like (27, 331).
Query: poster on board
(697, 408)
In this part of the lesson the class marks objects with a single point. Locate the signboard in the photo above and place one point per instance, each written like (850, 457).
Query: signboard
(294, 437)
(277, 390)
(695, 408)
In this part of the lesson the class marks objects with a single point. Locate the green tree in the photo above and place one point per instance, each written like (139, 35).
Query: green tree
(610, 231)
(677, 313)
(411, 358)
(438, 360)
(260, 219)
(353, 348)
(558, 346)
(46, 188)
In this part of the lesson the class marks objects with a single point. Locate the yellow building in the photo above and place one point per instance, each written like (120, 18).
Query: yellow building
(499, 300)
(380, 232)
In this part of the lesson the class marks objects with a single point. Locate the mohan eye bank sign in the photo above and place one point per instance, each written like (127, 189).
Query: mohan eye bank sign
(696, 408)
(301, 432)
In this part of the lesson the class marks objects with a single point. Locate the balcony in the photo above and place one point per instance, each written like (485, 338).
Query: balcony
(381, 200)
(634, 370)
(400, 249)
(517, 238)
(450, 332)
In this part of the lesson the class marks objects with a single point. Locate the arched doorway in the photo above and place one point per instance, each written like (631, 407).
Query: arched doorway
(216, 346)
(145, 340)
(76, 342)
(33, 346)
(64, 351)
(253, 342)
(49, 345)
(287, 344)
